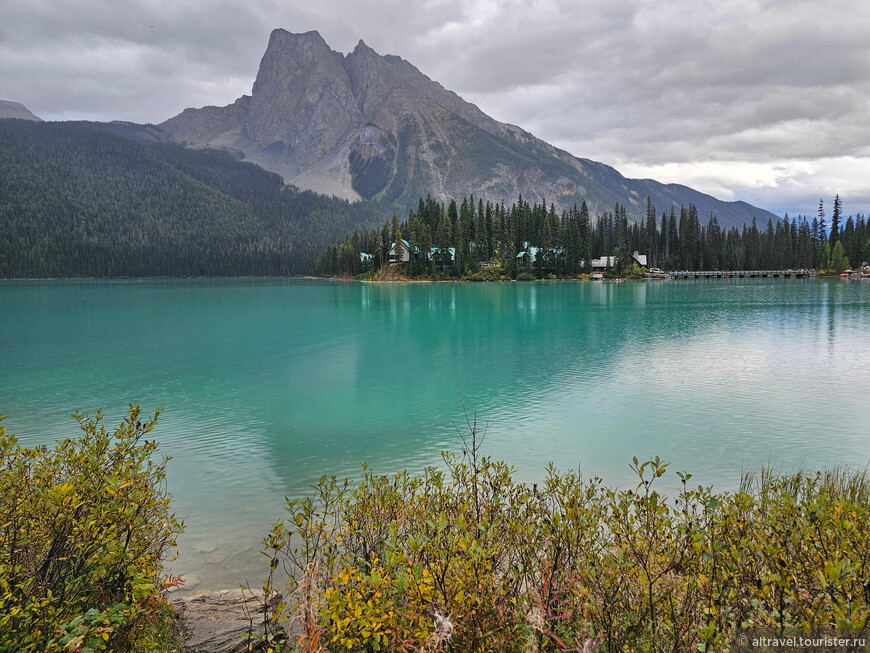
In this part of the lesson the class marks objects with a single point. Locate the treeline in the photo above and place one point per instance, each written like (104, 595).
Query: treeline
(77, 201)
(566, 242)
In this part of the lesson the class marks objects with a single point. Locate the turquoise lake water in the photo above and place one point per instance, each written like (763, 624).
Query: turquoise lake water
(266, 385)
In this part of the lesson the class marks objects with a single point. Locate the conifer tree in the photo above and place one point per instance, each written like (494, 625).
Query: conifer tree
(481, 234)
(585, 237)
(572, 253)
(673, 236)
(622, 238)
(651, 235)
(463, 237)
(823, 233)
(380, 248)
(400, 246)
(839, 262)
(848, 239)
(835, 220)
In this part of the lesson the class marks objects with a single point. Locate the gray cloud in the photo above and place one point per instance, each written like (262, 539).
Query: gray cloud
(762, 100)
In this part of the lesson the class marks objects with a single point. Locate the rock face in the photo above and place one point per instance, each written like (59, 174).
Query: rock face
(219, 622)
(210, 123)
(16, 110)
(364, 125)
(302, 101)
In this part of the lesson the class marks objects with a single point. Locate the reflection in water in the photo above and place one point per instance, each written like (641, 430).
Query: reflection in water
(267, 385)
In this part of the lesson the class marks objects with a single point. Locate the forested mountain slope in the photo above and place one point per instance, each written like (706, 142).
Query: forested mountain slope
(90, 199)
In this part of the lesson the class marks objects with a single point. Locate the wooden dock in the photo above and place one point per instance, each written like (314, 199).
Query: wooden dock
(707, 274)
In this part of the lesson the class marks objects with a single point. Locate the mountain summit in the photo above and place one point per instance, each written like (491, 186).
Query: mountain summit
(364, 125)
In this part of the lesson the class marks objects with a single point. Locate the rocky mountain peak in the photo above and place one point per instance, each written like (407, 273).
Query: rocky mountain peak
(361, 49)
(365, 125)
(367, 69)
(281, 38)
(302, 102)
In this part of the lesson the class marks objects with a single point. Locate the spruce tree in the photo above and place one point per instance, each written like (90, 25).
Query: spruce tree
(673, 237)
(400, 246)
(651, 235)
(463, 236)
(585, 237)
(444, 240)
(380, 248)
(481, 234)
(622, 239)
(849, 241)
(823, 233)
(835, 220)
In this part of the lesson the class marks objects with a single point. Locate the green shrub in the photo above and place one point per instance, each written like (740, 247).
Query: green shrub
(403, 563)
(525, 275)
(84, 528)
(636, 271)
(487, 274)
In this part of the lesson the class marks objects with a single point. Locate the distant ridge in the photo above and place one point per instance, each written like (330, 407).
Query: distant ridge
(9, 109)
(367, 126)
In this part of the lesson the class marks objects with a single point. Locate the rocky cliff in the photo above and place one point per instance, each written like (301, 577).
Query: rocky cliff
(363, 126)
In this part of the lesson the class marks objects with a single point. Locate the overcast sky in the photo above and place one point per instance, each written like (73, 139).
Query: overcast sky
(765, 101)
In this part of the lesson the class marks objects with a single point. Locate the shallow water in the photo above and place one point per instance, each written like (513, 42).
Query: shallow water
(266, 385)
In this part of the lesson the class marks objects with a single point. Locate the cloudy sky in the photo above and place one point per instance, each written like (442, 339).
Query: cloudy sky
(762, 100)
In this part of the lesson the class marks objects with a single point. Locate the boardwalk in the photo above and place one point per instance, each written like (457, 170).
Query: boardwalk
(703, 274)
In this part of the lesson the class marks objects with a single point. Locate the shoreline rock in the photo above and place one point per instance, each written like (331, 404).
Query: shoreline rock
(221, 621)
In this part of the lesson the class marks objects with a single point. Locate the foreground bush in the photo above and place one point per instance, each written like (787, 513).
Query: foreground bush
(84, 528)
(467, 559)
